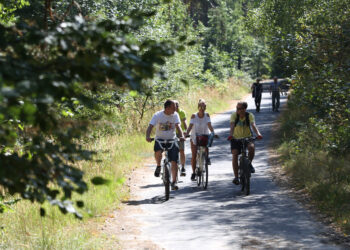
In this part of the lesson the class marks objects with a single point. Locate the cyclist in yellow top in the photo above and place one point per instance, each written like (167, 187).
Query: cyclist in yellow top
(182, 115)
(241, 123)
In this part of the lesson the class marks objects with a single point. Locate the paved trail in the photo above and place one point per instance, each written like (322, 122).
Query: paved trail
(222, 217)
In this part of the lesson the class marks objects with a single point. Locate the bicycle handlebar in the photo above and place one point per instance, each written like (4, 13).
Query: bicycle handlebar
(243, 139)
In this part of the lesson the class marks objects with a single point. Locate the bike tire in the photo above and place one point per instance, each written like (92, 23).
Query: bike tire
(241, 174)
(247, 185)
(246, 176)
(167, 181)
(198, 169)
(205, 174)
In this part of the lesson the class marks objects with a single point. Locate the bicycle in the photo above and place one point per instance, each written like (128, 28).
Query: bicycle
(202, 171)
(244, 171)
(166, 145)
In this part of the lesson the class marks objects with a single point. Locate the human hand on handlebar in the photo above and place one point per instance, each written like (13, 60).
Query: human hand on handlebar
(149, 139)
(259, 137)
(230, 138)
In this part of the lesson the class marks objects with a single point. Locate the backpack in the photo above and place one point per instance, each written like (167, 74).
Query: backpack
(247, 122)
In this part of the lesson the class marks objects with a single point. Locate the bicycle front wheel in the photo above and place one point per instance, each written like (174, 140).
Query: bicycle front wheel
(199, 169)
(247, 185)
(245, 177)
(205, 173)
(166, 181)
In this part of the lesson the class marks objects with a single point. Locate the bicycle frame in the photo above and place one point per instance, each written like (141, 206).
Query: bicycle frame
(243, 166)
(166, 166)
(202, 165)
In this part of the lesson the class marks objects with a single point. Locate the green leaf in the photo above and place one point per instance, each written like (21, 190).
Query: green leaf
(98, 180)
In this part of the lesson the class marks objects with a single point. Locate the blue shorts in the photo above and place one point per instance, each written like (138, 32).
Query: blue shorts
(173, 153)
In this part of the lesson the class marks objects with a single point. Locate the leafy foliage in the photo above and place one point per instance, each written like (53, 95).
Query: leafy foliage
(310, 41)
(43, 80)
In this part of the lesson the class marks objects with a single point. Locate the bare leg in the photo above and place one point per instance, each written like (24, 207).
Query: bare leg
(235, 162)
(182, 157)
(194, 156)
(158, 157)
(251, 151)
(174, 170)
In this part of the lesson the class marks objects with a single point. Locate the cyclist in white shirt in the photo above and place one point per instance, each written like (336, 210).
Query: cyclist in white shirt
(201, 124)
(166, 122)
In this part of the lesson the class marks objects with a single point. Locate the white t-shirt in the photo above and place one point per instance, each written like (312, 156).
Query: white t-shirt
(165, 125)
(200, 126)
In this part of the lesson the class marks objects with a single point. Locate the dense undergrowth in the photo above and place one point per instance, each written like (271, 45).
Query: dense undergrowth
(313, 165)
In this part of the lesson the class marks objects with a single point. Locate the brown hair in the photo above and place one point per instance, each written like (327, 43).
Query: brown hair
(244, 104)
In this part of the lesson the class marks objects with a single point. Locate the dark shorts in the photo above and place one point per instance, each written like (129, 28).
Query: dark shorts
(235, 144)
(173, 153)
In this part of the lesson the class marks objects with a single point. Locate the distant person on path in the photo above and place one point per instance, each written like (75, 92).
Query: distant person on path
(182, 116)
(275, 89)
(257, 89)
(241, 123)
(167, 122)
(201, 124)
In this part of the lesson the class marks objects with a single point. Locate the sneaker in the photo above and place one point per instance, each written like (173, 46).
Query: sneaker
(174, 186)
(183, 171)
(235, 181)
(252, 169)
(208, 161)
(193, 177)
(157, 171)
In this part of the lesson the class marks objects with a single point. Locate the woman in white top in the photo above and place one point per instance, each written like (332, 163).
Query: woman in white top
(201, 124)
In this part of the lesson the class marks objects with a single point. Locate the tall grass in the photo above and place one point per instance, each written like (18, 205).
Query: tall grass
(23, 228)
(325, 175)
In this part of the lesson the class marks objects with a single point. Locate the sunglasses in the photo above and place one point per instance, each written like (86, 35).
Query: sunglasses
(240, 108)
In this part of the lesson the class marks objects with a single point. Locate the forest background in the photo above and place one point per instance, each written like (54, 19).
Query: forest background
(79, 81)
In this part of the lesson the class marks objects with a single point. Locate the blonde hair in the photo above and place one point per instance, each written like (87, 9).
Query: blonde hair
(201, 101)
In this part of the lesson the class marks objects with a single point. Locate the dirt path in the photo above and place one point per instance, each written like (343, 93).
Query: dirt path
(220, 217)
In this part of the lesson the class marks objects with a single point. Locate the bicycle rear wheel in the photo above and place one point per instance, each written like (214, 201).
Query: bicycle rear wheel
(166, 181)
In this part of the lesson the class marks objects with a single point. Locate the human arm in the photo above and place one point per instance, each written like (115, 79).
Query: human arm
(148, 133)
(210, 127)
(232, 125)
(184, 123)
(256, 130)
(189, 128)
(232, 129)
(178, 127)
(209, 124)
